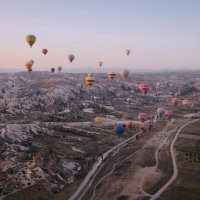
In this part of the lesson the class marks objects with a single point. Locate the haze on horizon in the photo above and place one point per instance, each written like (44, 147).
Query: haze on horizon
(161, 34)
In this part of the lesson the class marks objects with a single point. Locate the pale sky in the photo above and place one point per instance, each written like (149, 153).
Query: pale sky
(161, 34)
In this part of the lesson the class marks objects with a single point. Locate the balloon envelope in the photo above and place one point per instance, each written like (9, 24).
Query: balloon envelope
(128, 51)
(71, 57)
(100, 63)
(144, 126)
(130, 125)
(37, 92)
(174, 101)
(119, 129)
(44, 51)
(89, 80)
(52, 69)
(98, 120)
(59, 68)
(168, 114)
(144, 88)
(28, 64)
(160, 112)
(124, 73)
(30, 39)
(150, 124)
(111, 75)
(142, 117)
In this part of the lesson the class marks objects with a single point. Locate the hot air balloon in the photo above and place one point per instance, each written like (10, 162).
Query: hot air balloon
(160, 112)
(124, 73)
(89, 80)
(111, 75)
(128, 52)
(37, 92)
(186, 103)
(142, 117)
(174, 101)
(119, 129)
(30, 39)
(28, 64)
(150, 124)
(144, 88)
(100, 63)
(144, 126)
(44, 51)
(71, 57)
(52, 69)
(98, 120)
(130, 125)
(59, 68)
(168, 114)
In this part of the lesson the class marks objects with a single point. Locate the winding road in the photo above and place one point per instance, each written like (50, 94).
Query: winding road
(113, 168)
(82, 189)
(87, 182)
(175, 168)
(141, 183)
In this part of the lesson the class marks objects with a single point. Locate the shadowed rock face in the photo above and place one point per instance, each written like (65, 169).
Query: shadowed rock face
(2, 147)
(188, 89)
(47, 160)
(28, 160)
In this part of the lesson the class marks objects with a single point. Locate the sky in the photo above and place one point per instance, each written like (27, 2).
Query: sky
(161, 34)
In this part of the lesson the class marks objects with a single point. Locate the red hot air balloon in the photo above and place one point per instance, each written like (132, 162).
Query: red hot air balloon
(130, 125)
(44, 51)
(150, 124)
(144, 88)
(174, 101)
(168, 114)
(142, 117)
(144, 126)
